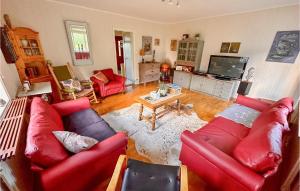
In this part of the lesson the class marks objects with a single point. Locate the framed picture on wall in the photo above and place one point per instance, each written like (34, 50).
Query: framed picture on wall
(156, 42)
(234, 47)
(225, 47)
(173, 45)
(147, 44)
(285, 47)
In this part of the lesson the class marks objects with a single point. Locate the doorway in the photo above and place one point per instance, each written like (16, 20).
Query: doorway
(124, 55)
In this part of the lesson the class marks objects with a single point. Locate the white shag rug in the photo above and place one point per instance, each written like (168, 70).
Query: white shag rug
(161, 146)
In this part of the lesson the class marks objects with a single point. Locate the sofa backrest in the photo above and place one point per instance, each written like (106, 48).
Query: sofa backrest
(42, 148)
(261, 150)
(109, 73)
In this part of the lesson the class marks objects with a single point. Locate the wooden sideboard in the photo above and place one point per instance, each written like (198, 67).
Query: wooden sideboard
(219, 88)
(149, 72)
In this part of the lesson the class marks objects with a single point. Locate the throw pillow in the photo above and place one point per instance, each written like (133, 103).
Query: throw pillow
(100, 76)
(92, 125)
(261, 149)
(42, 148)
(74, 142)
(72, 84)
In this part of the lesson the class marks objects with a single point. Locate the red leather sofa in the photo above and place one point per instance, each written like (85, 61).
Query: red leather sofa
(55, 168)
(115, 85)
(231, 157)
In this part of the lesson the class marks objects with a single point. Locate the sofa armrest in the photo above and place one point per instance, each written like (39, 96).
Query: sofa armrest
(79, 170)
(68, 107)
(224, 162)
(252, 103)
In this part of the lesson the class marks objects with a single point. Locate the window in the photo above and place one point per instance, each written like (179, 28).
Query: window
(4, 99)
(79, 42)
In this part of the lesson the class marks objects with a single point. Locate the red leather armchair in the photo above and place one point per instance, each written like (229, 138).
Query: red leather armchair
(57, 169)
(115, 85)
(211, 151)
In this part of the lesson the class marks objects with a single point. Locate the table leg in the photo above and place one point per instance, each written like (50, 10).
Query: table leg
(153, 119)
(178, 107)
(141, 112)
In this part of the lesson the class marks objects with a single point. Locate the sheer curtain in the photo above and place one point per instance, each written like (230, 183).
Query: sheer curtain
(4, 98)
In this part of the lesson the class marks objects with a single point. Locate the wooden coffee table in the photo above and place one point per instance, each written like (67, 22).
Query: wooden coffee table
(154, 105)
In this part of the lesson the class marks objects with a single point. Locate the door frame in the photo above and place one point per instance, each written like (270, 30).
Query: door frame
(132, 51)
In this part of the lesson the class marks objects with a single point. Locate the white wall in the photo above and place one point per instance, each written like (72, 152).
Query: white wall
(9, 76)
(47, 18)
(256, 32)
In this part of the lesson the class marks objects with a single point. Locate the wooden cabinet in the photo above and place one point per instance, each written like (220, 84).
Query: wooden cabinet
(149, 72)
(31, 64)
(218, 88)
(190, 53)
(182, 78)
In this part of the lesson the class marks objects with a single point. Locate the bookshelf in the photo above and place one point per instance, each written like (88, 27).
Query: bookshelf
(30, 64)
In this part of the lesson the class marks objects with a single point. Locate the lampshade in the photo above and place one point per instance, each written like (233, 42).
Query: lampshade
(142, 52)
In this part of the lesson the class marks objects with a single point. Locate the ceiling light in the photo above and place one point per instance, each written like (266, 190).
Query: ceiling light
(171, 2)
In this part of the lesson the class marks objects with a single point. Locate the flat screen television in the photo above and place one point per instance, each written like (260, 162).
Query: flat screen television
(227, 67)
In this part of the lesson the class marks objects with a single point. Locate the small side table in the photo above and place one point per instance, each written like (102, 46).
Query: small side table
(42, 89)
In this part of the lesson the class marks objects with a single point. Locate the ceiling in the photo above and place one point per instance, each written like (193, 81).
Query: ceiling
(157, 11)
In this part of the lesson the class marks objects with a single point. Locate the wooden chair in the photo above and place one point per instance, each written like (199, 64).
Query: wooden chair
(118, 176)
(64, 72)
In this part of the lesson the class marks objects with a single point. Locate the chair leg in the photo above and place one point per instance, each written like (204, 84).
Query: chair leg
(95, 97)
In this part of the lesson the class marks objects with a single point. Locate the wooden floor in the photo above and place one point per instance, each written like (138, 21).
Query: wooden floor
(205, 106)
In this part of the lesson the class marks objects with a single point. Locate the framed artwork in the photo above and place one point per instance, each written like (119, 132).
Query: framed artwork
(147, 44)
(156, 42)
(79, 42)
(225, 47)
(173, 45)
(285, 47)
(234, 47)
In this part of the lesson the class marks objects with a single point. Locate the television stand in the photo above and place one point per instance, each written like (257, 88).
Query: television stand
(224, 78)
(224, 88)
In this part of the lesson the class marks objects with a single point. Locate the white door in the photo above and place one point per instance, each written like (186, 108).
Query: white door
(128, 61)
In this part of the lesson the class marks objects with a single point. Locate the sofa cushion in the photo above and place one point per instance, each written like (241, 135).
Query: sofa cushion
(113, 85)
(92, 125)
(42, 148)
(109, 74)
(73, 142)
(100, 76)
(275, 114)
(261, 150)
(222, 133)
(284, 102)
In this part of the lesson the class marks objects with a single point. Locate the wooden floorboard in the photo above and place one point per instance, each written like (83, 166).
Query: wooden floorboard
(204, 105)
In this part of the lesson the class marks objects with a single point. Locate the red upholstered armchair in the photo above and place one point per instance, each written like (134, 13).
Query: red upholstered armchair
(115, 85)
(55, 167)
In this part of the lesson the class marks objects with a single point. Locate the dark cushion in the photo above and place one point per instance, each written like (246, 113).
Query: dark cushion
(88, 123)
(261, 149)
(141, 176)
